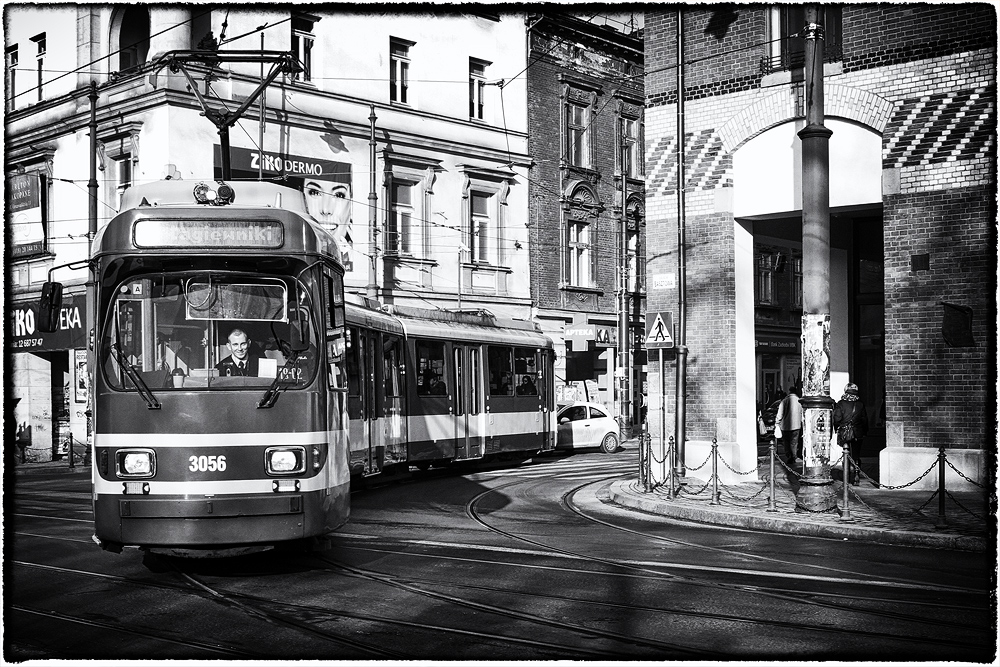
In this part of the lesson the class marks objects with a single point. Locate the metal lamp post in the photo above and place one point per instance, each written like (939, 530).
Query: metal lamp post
(816, 492)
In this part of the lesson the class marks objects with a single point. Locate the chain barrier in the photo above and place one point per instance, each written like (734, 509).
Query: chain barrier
(737, 472)
(746, 499)
(963, 507)
(960, 474)
(903, 486)
(703, 463)
(694, 493)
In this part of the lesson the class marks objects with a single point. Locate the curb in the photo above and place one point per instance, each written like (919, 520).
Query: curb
(619, 494)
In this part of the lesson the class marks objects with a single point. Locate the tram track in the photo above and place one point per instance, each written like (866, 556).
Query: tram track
(797, 597)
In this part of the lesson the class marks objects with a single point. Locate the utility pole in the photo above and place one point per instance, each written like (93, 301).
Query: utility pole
(682, 351)
(623, 327)
(91, 286)
(371, 290)
(816, 492)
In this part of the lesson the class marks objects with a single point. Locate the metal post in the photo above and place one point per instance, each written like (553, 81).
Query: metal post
(71, 463)
(816, 492)
(371, 290)
(770, 500)
(623, 346)
(682, 351)
(846, 515)
(942, 522)
(669, 454)
(91, 286)
(715, 471)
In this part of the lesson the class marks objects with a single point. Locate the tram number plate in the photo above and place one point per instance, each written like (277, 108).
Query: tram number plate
(207, 463)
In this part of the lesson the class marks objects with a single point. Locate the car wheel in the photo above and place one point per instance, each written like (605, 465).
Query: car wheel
(610, 444)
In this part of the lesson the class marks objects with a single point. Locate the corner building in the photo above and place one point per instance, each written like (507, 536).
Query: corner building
(586, 202)
(910, 96)
(435, 219)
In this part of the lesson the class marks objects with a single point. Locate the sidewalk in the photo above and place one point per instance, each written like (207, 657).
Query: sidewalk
(898, 517)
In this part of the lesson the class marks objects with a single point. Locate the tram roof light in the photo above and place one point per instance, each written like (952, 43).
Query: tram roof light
(220, 195)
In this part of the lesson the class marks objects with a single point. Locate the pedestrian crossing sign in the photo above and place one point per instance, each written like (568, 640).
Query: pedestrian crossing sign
(659, 331)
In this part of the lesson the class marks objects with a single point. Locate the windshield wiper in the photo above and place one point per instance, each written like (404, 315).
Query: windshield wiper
(271, 395)
(140, 386)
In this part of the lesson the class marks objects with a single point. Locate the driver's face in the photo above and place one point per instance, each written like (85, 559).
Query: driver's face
(239, 345)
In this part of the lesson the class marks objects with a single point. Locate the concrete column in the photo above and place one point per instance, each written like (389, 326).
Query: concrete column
(169, 30)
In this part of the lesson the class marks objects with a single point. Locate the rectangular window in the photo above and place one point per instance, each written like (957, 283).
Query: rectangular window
(399, 229)
(431, 377)
(482, 227)
(477, 88)
(399, 70)
(765, 279)
(633, 167)
(579, 253)
(11, 63)
(792, 18)
(797, 282)
(302, 46)
(123, 176)
(39, 41)
(525, 372)
(501, 369)
(578, 134)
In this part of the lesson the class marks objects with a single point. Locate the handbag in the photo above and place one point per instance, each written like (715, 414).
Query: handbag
(846, 432)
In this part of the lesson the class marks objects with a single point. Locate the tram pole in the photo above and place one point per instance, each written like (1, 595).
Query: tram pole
(371, 290)
(816, 491)
(91, 286)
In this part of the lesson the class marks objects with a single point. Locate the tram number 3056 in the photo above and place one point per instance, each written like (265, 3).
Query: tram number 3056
(207, 463)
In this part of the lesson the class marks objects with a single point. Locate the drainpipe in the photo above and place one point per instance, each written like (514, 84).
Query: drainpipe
(371, 290)
(682, 350)
(816, 492)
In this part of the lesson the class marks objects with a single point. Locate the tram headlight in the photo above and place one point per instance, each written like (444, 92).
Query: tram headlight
(285, 460)
(135, 463)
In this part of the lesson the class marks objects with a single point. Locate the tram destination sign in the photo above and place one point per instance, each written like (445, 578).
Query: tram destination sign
(208, 234)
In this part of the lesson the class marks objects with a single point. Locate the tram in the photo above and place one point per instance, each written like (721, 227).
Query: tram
(437, 387)
(218, 374)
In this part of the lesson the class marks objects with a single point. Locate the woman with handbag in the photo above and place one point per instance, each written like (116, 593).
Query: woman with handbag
(850, 419)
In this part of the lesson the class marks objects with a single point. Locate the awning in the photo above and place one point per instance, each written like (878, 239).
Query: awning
(71, 332)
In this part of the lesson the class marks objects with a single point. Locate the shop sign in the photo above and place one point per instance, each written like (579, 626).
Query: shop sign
(778, 344)
(70, 332)
(580, 336)
(26, 214)
(284, 164)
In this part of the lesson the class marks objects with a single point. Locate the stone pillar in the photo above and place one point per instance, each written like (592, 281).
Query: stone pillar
(169, 30)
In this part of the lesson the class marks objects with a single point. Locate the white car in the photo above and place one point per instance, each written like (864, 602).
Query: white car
(586, 425)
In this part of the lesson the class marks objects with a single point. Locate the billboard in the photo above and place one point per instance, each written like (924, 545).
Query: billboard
(26, 213)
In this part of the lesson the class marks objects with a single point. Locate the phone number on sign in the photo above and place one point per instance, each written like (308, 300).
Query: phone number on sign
(26, 342)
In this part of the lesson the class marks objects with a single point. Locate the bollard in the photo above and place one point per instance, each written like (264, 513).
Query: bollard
(770, 498)
(942, 522)
(715, 471)
(646, 461)
(846, 516)
(670, 465)
(70, 448)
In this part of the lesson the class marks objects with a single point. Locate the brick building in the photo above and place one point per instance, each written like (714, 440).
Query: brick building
(911, 100)
(585, 116)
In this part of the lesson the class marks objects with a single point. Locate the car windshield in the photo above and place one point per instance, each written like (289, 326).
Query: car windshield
(205, 331)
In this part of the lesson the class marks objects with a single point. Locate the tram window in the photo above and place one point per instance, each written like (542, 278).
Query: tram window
(524, 367)
(392, 368)
(163, 330)
(430, 368)
(353, 368)
(501, 371)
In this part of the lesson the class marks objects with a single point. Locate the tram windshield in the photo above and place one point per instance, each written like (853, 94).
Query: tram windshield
(210, 331)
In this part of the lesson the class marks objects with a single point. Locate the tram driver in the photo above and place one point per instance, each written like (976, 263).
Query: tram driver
(244, 359)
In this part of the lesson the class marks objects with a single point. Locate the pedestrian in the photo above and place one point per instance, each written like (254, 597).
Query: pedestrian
(850, 419)
(789, 421)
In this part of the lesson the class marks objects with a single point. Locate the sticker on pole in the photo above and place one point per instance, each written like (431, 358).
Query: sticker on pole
(659, 332)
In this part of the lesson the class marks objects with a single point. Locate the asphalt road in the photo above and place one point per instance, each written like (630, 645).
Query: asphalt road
(513, 562)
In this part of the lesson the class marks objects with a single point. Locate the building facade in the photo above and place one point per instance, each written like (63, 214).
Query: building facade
(410, 148)
(910, 96)
(587, 202)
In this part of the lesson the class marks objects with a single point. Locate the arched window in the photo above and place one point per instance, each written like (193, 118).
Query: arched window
(580, 251)
(129, 37)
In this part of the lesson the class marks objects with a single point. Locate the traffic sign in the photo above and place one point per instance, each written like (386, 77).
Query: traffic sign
(659, 331)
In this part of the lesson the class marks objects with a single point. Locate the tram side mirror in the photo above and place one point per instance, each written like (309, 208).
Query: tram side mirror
(298, 343)
(49, 307)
